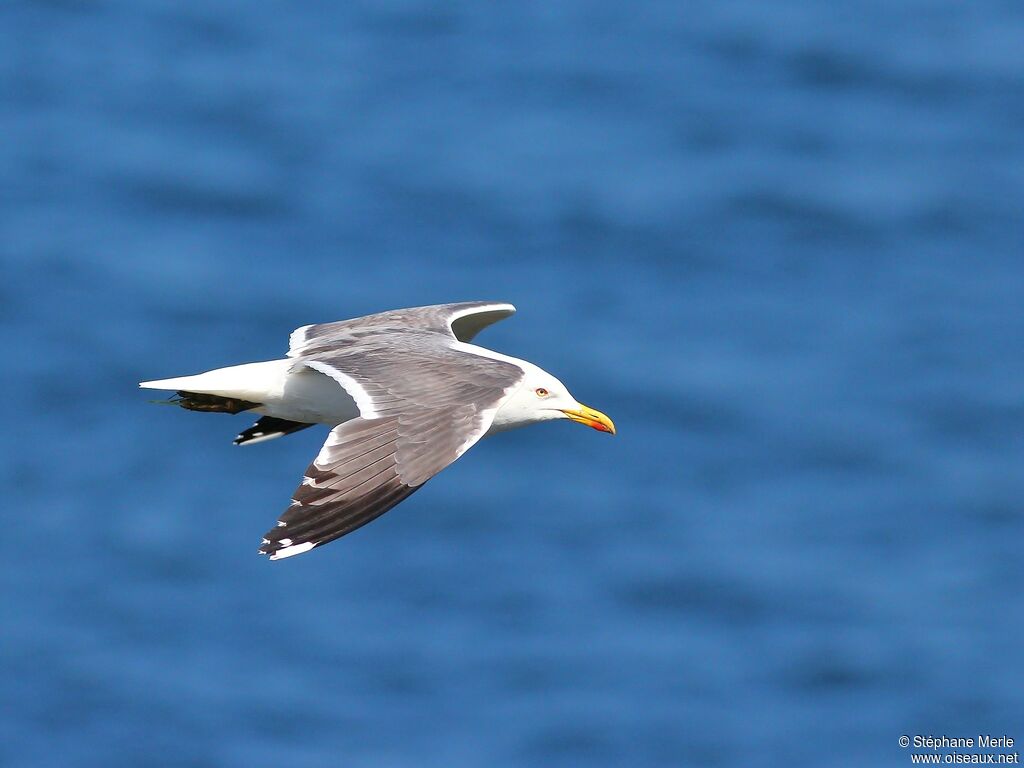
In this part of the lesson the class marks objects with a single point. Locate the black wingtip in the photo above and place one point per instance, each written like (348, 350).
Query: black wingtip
(267, 428)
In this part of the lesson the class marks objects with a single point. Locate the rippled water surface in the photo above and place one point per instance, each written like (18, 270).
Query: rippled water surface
(781, 244)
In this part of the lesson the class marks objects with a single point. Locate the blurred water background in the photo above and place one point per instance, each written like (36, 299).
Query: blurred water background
(781, 244)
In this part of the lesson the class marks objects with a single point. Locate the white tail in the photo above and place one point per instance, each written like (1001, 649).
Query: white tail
(253, 381)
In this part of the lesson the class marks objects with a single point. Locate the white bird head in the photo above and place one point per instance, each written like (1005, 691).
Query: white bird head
(542, 397)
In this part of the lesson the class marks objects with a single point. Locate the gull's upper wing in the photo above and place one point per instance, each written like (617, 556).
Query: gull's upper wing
(423, 402)
(462, 321)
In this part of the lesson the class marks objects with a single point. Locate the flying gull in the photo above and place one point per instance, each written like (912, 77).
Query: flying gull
(405, 393)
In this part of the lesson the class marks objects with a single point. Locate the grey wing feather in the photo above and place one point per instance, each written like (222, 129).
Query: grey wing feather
(460, 320)
(352, 481)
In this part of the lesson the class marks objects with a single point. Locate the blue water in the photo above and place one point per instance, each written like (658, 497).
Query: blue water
(781, 244)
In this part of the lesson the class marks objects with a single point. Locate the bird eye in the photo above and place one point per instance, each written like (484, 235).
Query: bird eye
(541, 392)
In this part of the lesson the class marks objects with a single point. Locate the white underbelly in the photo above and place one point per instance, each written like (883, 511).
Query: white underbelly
(308, 396)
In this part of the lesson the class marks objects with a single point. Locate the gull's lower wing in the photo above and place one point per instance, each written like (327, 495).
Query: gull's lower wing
(365, 468)
(353, 480)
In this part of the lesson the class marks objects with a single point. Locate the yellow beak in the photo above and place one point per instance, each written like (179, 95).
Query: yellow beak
(591, 418)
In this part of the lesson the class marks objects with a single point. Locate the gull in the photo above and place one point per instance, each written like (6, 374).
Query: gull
(405, 393)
